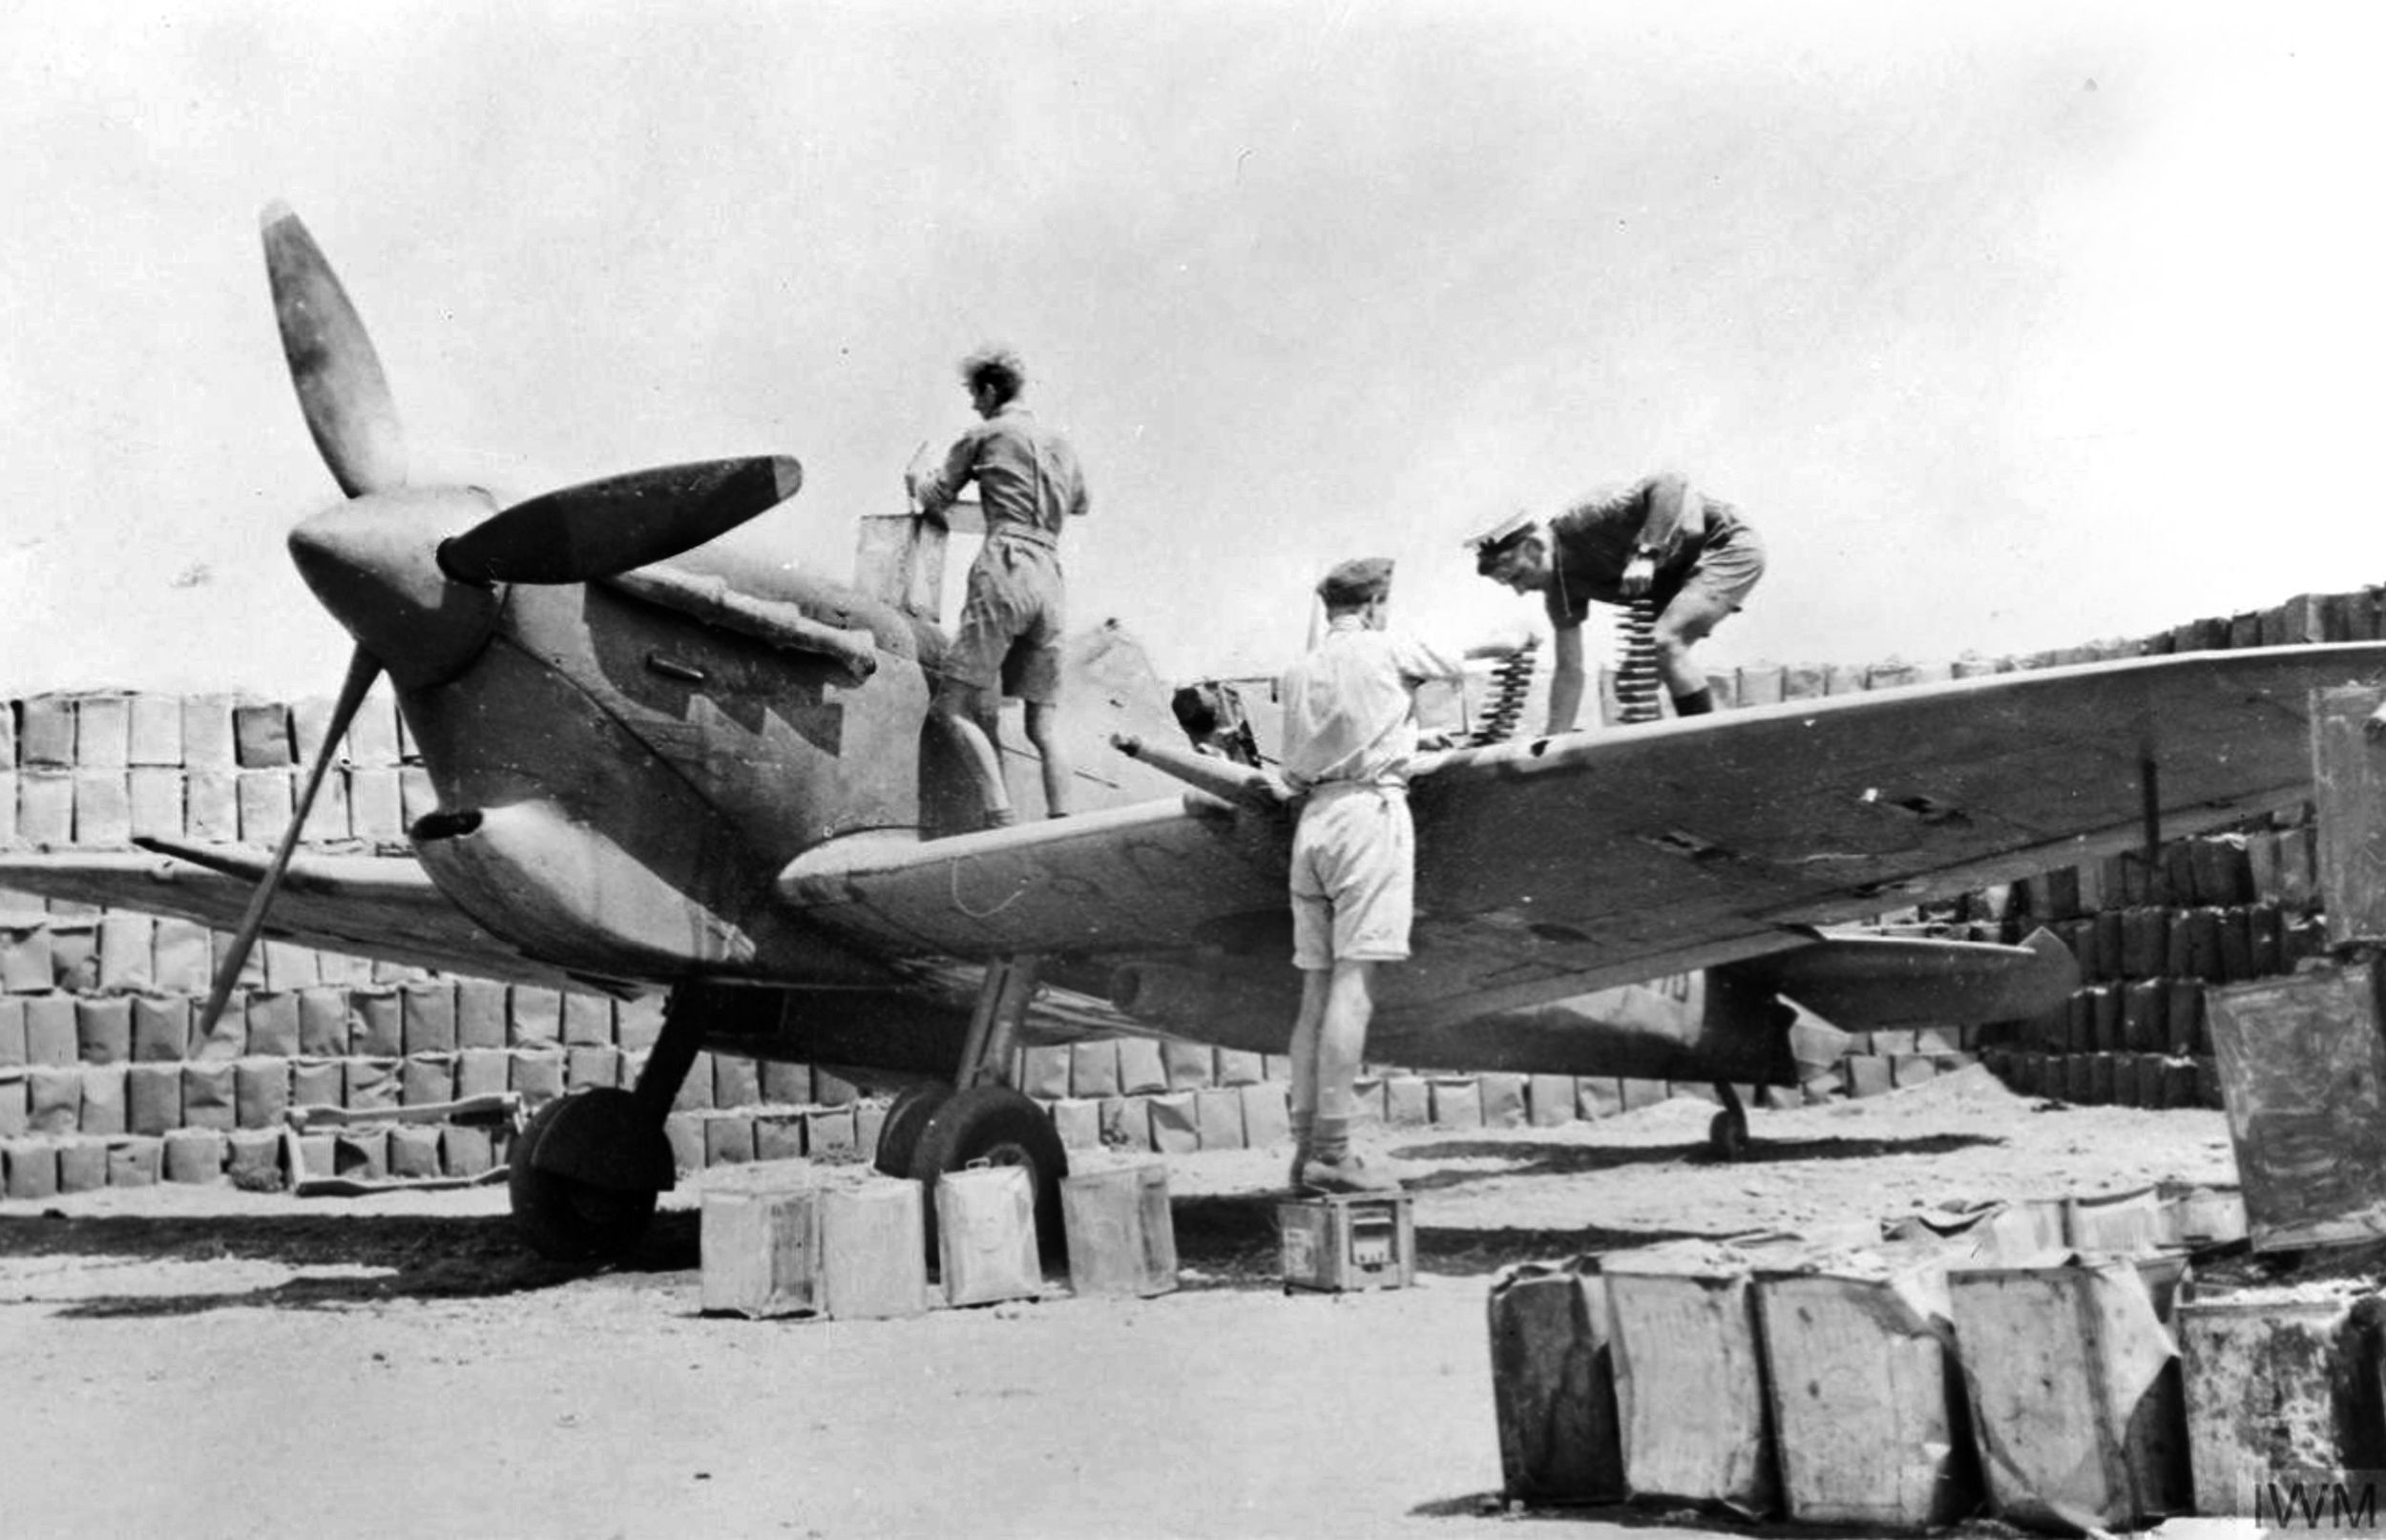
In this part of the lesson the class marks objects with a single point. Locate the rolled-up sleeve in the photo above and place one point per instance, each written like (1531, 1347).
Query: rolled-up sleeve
(1422, 661)
(936, 493)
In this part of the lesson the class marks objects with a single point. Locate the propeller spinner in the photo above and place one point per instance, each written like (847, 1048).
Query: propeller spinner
(411, 598)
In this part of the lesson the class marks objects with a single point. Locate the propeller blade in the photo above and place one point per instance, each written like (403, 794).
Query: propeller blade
(363, 669)
(605, 527)
(340, 384)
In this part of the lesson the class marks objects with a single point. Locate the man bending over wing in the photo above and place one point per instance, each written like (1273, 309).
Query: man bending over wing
(1694, 557)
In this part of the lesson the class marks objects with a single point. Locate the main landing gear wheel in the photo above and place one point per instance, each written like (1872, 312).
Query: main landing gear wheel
(907, 1118)
(567, 1218)
(1000, 1127)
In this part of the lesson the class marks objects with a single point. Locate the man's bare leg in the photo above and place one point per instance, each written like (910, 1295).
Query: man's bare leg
(1342, 1036)
(1314, 983)
(1686, 622)
(961, 707)
(1043, 730)
(1341, 1046)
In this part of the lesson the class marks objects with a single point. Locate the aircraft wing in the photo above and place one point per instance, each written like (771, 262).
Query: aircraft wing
(1593, 859)
(381, 906)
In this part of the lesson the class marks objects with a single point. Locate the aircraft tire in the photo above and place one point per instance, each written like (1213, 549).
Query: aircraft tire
(565, 1220)
(1002, 1127)
(906, 1117)
(1727, 1136)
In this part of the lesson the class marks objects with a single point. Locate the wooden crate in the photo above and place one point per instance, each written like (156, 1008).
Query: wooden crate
(1348, 1240)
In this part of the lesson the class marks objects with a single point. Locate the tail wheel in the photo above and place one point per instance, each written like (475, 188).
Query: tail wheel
(1727, 1136)
(1000, 1127)
(568, 1219)
(906, 1118)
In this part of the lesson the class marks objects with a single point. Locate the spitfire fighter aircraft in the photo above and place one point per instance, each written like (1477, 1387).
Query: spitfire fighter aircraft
(659, 765)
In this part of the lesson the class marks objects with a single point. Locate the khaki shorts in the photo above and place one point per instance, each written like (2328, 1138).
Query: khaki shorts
(1011, 623)
(1724, 572)
(1353, 877)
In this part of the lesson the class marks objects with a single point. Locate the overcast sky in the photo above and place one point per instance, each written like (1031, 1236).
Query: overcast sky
(2009, 327)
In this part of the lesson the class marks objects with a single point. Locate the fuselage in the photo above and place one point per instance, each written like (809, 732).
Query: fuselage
(618, 781)
(640, 778)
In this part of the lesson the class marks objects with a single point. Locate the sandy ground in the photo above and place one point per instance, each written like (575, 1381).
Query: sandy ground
(201, 1361)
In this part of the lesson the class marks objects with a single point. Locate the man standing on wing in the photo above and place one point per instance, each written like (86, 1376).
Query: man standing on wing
(1349, 735)
(1694, 557)
(1009, 635)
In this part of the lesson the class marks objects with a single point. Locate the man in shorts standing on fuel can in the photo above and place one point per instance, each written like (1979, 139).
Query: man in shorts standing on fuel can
(1350, 736)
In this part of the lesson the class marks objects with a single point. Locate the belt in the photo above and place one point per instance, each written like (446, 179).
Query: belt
(1335, 788)
(1021, 531)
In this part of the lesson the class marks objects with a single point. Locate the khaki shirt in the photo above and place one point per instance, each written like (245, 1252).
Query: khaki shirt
(1027, 476)
(1349, 707)
(1593, 541)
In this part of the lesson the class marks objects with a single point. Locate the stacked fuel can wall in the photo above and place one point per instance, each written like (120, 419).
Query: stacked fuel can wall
(2150, 937)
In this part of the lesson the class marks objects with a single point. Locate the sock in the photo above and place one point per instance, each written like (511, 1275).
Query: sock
(1330, 1141)
(1697, 703)
(1304, 1127)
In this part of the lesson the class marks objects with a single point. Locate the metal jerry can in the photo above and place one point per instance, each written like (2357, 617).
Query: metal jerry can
(986, 1235)
(1121, 1234)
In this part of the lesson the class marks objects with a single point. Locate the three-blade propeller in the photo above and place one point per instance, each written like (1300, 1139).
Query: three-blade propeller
(575, 535)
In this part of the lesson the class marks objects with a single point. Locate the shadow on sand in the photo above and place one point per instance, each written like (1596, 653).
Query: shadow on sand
(1517, 1157)
(380, 1257)
(1225, 1242)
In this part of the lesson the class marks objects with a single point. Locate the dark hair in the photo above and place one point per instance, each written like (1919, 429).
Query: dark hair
(994, 368)
(1489, 556)
(1196, 711)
